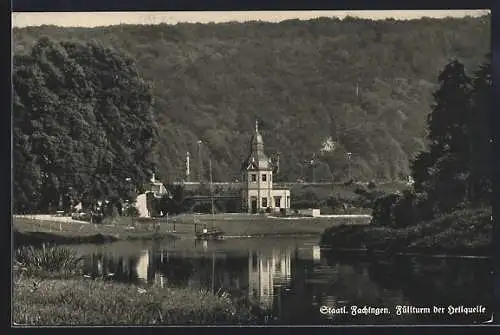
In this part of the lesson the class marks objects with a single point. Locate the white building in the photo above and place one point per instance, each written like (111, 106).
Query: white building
(257, 176)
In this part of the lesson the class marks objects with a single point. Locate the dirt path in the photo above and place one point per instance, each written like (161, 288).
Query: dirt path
(49, 217)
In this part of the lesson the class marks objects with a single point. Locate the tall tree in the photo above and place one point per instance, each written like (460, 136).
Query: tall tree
(455, 168)
(83, 124)
(480, 135)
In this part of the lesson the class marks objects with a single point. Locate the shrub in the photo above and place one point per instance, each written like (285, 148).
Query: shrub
(131, 211)
(383, 210)
(304, 204)
(203, 207)
(48, 260)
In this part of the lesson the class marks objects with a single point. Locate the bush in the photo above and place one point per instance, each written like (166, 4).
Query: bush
(131, 211)
(460, 230)
(48, 260)
(228, 206)
(464, 232)
(203, 207)
(304, 204)
(399, 211)
(383, 210)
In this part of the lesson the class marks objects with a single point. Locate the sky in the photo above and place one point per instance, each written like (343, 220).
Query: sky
(93, 19)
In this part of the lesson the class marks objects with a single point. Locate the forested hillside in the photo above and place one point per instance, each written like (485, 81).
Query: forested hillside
(366, 85)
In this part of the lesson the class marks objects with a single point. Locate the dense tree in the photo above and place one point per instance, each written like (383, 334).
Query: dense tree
(83, 124)
(455, 169)
(454, 172)
(446, 161)
(480, 159)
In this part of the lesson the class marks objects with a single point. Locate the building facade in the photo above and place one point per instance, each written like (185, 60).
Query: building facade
(258, 193)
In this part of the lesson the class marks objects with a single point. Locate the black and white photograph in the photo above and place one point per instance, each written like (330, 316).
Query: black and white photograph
(252, 168)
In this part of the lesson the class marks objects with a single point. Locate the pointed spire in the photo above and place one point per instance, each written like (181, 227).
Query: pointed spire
(256, 126)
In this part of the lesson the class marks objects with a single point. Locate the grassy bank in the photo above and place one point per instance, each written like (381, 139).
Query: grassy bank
(49, 289)
(462, 232)
(30, 231)
(38, 238)
(95, 302)
(35, 232)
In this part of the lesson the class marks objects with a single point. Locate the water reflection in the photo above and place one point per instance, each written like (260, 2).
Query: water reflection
(268, 272)
(294, 279)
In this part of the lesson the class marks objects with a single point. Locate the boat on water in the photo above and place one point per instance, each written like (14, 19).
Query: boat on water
(209, 233)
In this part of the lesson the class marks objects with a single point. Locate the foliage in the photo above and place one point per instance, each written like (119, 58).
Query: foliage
(82, 122)
(229, 205)
(360, 83)
(97, 302)
(47, 259)
(173, 202)
(455, 170)
(382, 210)
(462, 231)
(203, 207)
(131, 211)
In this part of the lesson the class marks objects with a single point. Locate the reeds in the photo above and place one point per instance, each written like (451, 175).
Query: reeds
(48, 260)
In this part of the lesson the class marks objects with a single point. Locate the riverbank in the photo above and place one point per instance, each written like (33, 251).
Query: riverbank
(44, 229)
(37, 231)
(51, 288)
(247, 225)
(96, 302)
(465, 232)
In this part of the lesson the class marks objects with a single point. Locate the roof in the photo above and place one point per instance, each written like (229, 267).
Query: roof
(257, 159)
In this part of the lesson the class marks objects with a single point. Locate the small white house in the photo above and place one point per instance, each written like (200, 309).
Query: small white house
(257, 171)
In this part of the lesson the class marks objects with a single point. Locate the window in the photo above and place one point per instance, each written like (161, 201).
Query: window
(277, 202)
(288, 202)
(254, 177)
(264, 177)
(264, 202)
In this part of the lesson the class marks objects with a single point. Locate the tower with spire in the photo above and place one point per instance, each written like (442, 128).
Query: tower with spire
(258, 193)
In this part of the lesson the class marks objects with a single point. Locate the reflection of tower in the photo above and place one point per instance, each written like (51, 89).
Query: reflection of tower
(267, 272)
(316, 250)
(159, 279)
(188, 172)
(143, 265)
(100, 270)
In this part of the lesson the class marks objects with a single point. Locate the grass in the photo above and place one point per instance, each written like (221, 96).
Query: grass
(35, 232)
(95, 302)
(461, 232)
(48, 260)
(43, 297)
(30, 231)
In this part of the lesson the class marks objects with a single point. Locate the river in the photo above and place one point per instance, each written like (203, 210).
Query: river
(297, 283)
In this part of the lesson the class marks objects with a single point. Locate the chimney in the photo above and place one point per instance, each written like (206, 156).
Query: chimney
(187, 166)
